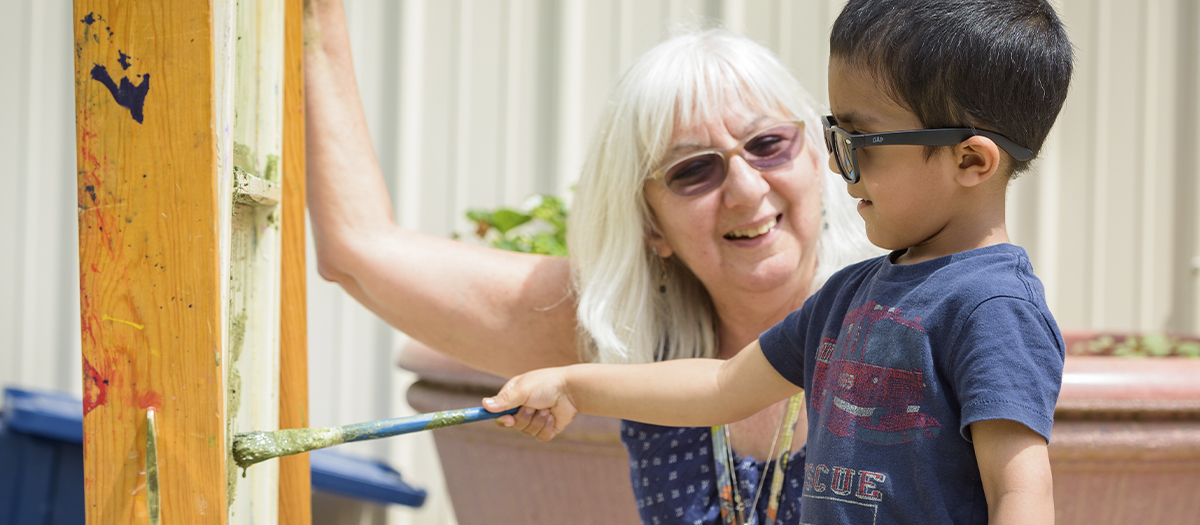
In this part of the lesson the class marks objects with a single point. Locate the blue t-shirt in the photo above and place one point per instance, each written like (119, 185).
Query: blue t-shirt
(675, 480)
(896, 361)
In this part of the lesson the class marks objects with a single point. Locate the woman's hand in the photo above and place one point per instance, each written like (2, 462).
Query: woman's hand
(547, 408)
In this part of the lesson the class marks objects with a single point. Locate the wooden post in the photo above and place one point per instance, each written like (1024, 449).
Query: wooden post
(149, 259)
(190, 305)
(295, 485)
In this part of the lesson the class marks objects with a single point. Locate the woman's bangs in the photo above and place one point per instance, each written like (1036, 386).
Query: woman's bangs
(717, 85)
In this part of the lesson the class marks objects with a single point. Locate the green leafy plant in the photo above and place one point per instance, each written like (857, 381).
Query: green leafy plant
(1147, 345)
(542, 229)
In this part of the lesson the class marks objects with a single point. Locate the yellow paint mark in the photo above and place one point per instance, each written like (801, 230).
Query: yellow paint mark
(130, 323)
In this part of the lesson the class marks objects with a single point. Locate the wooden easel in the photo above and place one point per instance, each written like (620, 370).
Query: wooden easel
(190, 142)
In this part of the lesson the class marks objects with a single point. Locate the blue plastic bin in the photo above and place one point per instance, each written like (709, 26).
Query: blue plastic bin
(41, 464)
(41, 459)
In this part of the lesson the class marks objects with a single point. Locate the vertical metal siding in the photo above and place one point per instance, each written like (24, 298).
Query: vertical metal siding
(39, 279)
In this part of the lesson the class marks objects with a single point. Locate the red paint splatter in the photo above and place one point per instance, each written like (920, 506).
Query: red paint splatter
(88, 320)
(92, 196)
(95, 388)
(150, 399)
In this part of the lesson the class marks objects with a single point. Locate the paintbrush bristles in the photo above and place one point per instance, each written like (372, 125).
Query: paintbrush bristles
(255, 447)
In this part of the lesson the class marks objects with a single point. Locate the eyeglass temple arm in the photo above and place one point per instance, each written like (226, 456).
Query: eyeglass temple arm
(940, 137)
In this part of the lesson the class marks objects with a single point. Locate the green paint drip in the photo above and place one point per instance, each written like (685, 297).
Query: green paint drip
(446, 419)
(271, 172)
(255, 447)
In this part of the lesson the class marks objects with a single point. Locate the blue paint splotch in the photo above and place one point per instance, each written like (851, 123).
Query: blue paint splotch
(126, 94)
(123, 59)
(92, 18)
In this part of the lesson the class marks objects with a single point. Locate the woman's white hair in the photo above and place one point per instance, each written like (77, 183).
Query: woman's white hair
(623, 318)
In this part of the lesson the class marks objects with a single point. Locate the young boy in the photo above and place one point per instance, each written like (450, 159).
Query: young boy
(931, 373)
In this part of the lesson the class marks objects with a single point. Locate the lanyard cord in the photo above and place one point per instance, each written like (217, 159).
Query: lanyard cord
(732, 508)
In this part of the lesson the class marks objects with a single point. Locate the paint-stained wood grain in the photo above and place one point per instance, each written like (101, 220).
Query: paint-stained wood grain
(295, 486)
(148, 254)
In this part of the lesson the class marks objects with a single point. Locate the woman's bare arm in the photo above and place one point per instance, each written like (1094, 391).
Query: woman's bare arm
(497, 311)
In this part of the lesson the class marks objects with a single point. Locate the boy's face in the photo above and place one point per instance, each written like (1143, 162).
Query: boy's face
(905, 199)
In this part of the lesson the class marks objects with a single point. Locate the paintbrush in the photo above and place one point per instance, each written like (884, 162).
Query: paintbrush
(252, 447)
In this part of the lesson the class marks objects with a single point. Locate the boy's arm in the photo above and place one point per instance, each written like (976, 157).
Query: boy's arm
(683, 392)
(1015, 469)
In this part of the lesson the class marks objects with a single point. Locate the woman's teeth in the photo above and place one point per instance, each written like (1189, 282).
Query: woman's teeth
(751, 233)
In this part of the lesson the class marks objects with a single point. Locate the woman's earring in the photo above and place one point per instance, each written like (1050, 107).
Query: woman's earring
(662, 281)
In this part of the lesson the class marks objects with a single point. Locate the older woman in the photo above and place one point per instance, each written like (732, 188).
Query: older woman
(703, 216)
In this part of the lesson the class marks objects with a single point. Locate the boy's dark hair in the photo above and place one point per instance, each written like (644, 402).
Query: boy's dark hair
(1000, 65)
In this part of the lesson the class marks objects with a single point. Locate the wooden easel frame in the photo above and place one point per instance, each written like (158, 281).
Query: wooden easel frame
(150, 267)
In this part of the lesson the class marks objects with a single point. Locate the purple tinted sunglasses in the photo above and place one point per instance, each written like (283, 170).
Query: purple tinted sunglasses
(702, 171)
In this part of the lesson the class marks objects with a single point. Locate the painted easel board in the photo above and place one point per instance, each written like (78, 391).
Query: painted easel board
(149, 255)
(180, 136)
(295, 485)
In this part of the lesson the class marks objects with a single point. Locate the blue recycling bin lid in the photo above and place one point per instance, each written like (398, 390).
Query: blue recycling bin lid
(362, 479)
(53, 415)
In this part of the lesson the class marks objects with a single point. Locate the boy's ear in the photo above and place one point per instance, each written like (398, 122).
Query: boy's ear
(978, 160)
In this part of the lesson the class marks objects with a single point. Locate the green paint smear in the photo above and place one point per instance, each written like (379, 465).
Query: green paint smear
(241, 179)
(237, 337)
(256, 447)
(447, 419)
(243, 157)
(272, 171)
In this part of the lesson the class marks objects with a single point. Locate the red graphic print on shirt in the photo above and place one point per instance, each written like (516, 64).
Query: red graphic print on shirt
(868, 384)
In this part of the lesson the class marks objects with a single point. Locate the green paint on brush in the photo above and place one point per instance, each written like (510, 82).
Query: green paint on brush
(255, 447)
(447, 419)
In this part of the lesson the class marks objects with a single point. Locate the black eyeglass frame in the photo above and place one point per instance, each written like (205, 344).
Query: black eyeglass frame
(915, 137)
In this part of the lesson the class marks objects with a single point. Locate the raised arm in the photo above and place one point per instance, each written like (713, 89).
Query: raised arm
(498, 311)
(681, 392)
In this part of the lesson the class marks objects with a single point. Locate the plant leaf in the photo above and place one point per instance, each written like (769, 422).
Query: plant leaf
(505, 219)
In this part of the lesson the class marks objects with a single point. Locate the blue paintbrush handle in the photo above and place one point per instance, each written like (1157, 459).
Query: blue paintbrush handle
(404, 425)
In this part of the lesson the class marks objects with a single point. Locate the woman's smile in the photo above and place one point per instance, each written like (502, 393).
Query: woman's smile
(756, 233)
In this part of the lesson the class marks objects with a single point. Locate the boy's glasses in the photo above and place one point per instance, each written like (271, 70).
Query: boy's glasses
(842, 144)
(702, 171)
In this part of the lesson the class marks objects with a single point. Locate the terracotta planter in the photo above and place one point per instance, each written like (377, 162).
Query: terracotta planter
(500, 476)
(1126, 440)
(1126, 448)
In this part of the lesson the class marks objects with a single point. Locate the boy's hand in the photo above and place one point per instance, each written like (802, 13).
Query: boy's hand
(546, 406)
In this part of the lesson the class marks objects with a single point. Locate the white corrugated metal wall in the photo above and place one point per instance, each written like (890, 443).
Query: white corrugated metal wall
(476, 103)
